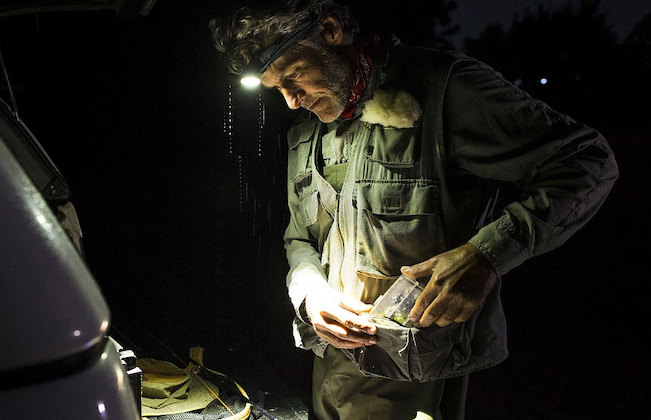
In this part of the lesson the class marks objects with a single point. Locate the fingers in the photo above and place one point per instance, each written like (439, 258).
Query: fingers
(335, 319)
(444, 312)
(465, 313)
(351, 321)
(354, 305)
(342, 335)
(442, 318)
(432, 311)
(356, 323)
(435, 306)
(429, 302)
(420, 270)
(459, 281)
(344, 311)
(342, 338)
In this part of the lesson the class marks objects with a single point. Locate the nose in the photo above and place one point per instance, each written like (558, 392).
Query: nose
(292, 97)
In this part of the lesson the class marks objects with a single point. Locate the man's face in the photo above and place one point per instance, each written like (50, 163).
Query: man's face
(315, 77)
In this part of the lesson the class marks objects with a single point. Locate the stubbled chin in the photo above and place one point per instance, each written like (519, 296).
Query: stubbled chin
(329, 114)
(326, 118)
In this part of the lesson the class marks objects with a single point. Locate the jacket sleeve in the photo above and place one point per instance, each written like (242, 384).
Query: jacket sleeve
(306, 272)
(563, 169)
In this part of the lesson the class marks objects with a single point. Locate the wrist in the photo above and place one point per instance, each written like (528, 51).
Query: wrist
(303, 315)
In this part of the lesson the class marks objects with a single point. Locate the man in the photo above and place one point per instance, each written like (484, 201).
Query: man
(398, 173)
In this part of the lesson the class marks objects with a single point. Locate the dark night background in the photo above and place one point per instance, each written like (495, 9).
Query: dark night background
(183, 224)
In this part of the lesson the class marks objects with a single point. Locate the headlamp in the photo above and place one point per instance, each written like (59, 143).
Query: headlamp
(261, 62)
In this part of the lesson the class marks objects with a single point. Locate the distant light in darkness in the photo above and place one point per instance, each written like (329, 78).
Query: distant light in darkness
(543, 81)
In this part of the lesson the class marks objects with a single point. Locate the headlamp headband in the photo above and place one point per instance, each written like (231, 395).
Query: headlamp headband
(261, 62)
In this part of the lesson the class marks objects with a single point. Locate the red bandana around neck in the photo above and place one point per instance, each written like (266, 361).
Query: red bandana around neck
(361, 77)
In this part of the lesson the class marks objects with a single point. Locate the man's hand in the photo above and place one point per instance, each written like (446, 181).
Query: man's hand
(335, 318)
(460, 280)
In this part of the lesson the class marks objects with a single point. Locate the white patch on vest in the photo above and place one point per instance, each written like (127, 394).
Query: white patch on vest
(392, 109)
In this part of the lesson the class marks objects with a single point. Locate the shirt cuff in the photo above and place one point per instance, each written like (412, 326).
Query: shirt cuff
(498, 242)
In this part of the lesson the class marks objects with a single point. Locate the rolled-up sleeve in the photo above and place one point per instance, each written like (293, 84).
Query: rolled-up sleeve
(564, 169)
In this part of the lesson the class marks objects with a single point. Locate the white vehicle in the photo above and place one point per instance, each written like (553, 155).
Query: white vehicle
(56, 358)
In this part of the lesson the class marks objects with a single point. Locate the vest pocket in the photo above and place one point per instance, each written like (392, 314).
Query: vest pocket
(308, 203)
(392, 147)
(435, 348)
(389, 358)
(398, 224)
(415, 354)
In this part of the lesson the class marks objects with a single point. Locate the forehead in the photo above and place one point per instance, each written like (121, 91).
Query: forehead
(276, 70)
(286, 63)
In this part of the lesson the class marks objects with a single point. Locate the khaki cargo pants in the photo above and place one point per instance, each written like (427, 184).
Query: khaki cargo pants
(341, 392)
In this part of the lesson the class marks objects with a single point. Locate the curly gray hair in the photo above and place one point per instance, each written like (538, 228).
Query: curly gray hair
(246, 33)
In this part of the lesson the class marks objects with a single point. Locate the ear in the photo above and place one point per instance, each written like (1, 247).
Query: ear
(331, 31)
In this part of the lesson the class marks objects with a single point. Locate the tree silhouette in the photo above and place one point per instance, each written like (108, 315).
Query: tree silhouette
(636, 64)
(571, 49)
(638, 43)
(418, 22)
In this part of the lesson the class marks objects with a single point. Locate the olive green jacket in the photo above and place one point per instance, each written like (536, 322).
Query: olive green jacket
(413, 192)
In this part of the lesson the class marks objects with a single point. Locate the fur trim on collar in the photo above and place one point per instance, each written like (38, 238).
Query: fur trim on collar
(392, 108)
